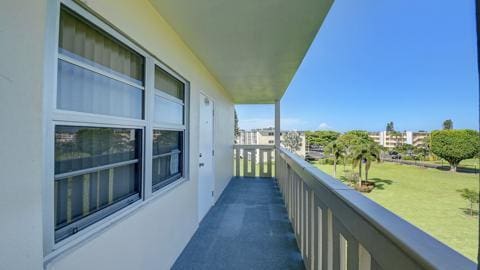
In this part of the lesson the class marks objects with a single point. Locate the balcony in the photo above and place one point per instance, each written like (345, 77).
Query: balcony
(303, 218)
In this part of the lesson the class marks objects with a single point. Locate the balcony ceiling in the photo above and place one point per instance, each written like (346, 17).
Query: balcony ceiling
(253, 47)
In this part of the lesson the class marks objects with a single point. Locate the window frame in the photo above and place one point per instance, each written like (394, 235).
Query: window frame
(111, 209)
(159, 125)
(53, 116)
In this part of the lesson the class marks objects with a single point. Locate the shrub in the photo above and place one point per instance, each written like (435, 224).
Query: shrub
(471, 196)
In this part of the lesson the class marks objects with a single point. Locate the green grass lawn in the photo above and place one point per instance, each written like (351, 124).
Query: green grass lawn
(426, 198)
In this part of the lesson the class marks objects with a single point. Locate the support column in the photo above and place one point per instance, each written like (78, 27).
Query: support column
(277, 135)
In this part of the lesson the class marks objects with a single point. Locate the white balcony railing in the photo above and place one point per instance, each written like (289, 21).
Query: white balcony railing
(336, 227)
(254, 160)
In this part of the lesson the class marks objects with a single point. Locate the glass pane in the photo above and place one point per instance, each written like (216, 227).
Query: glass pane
(168, 84)
(78, 148)
(166, 141)
(167, 111)
(168, 157)
(81, 196)
(83, 41)
(83, 90)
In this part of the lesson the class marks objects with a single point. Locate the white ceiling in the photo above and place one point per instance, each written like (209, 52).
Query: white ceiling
(253, 47)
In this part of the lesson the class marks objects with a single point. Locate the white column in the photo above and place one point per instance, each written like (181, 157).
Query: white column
(277, 135)
(277, 123)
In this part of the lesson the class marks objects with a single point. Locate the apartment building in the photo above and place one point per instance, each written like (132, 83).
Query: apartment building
(391, 140)
(249, 137)
(266, 136)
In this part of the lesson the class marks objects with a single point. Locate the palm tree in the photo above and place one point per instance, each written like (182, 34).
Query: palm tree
(372, 155)
(337, 150)
(364, 151)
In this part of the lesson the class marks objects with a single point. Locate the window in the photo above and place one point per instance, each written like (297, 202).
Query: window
(169, 128)
(97, 171)
(97, 144)
(96, 73)
(169, 98)
(167, 157)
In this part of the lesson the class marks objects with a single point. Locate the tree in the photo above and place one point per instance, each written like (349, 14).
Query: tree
(448, 124)
(292, 141)
(321, 138)
(236, 129)
(471, 196)
(352, 138)
(390, 127)
(365, 152)
(337, 150)
(406, 149)
(455, 145)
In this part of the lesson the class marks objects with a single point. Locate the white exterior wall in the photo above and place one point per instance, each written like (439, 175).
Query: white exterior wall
(409, 138)
(153, 235)
(21, 133)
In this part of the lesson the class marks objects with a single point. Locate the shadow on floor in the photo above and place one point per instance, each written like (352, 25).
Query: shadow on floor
(470, 213)
(459, 169)
(248, 228)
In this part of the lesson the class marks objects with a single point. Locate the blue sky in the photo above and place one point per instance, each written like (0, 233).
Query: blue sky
(374, 61)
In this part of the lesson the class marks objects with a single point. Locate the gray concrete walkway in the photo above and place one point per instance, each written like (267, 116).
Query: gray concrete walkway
(248, 228)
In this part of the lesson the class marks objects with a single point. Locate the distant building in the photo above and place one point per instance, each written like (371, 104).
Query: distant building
(249, 137)
(391, 140)
(266, 136)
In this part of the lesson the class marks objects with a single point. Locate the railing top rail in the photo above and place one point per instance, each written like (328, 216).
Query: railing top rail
(425, 250)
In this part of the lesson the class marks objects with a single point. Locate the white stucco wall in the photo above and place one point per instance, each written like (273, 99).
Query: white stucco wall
(21, 79)
(155, 234)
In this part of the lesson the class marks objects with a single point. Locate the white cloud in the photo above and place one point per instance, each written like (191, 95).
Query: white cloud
(324, 126)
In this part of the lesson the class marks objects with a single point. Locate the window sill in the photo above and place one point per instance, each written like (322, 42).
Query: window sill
(75, 241)
(158, 193)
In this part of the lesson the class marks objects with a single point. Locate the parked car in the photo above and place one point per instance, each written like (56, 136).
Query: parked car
(395, 155)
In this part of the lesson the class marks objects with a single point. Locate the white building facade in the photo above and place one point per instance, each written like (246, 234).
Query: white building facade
(391, 140)
(266, 136)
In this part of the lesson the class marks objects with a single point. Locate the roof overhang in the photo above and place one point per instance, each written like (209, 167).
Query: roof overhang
(252, 47)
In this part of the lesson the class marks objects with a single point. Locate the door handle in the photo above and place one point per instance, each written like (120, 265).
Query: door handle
(201, 164)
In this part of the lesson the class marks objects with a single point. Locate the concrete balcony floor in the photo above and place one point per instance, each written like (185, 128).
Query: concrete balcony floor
(248, 228)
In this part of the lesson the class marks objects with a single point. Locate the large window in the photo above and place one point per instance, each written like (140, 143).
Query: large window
(100, 125)
(167, 157)
(97, 171)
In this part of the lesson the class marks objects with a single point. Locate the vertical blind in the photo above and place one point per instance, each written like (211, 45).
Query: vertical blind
(97, 73)
(168, 84)
(85, 41)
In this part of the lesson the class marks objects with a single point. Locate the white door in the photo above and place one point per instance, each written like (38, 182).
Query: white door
(205, 161)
